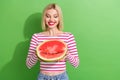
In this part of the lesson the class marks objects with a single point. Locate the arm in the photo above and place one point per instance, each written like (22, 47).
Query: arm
(72, 55)
(32, 57)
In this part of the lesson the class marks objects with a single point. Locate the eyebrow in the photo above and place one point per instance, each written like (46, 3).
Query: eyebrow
(49, 14)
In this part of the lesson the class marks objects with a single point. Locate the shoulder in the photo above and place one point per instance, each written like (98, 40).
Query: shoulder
(38, 34)
(68, 34)
(35, 35)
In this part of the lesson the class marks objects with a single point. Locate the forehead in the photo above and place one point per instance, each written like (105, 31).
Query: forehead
(51, 11)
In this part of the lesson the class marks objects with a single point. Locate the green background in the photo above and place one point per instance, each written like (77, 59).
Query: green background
(94, 23)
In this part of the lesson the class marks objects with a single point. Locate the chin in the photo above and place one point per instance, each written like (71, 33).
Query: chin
(51, 27)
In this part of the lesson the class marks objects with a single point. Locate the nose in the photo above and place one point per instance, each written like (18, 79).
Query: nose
(51, 19)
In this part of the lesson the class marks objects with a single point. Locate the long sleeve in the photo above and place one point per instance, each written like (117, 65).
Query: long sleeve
(32, 58)
(72, 55)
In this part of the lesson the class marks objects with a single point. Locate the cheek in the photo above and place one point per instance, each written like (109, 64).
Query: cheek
(57, 20)
(46, 20)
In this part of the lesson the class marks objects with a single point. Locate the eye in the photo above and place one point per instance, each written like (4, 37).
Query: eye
(55, 16)
(47, 16)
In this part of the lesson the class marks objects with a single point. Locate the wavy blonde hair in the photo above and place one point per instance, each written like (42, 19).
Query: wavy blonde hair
(58, 9)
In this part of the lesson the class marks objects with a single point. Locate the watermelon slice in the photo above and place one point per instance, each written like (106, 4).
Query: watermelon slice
(51, 50)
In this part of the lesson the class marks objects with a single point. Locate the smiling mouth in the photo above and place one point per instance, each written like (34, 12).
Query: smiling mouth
(51, 23)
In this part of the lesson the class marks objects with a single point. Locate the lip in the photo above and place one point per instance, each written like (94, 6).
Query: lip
(51, 23)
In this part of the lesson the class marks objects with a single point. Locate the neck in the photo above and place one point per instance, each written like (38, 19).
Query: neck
(53, 32)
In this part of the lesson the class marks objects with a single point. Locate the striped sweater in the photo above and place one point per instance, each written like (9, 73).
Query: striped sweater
(72, 55)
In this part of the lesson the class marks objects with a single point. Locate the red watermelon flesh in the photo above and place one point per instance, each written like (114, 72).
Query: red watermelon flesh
(51, 50)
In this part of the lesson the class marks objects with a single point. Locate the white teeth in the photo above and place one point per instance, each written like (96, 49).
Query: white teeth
(51, 23)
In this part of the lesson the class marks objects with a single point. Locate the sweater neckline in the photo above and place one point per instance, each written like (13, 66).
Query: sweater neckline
(58, 35)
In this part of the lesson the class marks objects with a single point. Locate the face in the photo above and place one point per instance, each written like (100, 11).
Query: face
(51, 18)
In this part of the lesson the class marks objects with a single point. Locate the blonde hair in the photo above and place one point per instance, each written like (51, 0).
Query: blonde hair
(58, 9)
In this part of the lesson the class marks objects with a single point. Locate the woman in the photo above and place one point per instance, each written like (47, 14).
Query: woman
(52, 29)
